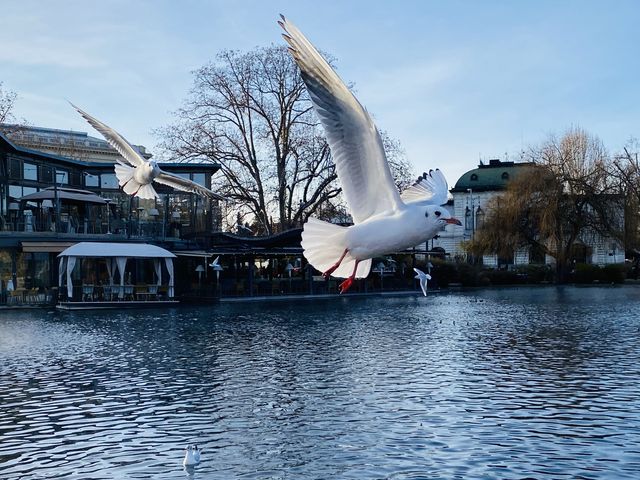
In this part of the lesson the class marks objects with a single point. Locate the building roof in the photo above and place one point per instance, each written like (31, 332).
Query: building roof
(129, 250)
(7, 145)
(493, 176)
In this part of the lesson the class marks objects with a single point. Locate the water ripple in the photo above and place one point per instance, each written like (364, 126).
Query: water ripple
(513, 383)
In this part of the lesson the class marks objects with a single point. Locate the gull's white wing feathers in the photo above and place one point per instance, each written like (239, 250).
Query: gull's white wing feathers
(116, 140)
(185, 185)
(354, 140)
(430, 189)
(423, 277)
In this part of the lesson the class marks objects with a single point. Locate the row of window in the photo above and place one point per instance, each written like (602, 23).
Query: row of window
(22, 170)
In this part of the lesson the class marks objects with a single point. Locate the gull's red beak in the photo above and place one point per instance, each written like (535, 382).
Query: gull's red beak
(453, 221)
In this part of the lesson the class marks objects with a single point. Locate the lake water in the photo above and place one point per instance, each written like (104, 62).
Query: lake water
(510, 383)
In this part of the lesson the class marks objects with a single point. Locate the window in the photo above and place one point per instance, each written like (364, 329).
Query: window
(91, 180)
(62, 177)
(30, 171)
(468, 219)
(505, 176)
(199, 178)
(108, 180)
(474, 177)
(479, 218)
(15, 191)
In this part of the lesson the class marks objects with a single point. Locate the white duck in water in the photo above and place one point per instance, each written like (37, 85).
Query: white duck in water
(137, 175)
(424, 278)
(384, 221)
(191, 456)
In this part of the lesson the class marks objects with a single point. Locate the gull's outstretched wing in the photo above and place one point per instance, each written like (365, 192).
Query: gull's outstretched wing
(430, 189)
(423, 277)
(185, 185)
(354, 140)
(116, 140)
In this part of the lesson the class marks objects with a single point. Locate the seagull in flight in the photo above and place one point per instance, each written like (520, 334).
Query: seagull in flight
(384, 220)
(136, 174)
(423, 277)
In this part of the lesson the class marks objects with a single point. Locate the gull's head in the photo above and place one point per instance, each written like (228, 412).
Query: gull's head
(439, 216)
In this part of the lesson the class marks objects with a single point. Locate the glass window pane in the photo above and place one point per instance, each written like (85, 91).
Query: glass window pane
(15, 191)
(199, 178)
(62, 177)
(91, 180)
(30, 171)
(108, 180)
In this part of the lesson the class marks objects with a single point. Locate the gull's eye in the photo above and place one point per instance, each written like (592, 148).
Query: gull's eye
(438, 213)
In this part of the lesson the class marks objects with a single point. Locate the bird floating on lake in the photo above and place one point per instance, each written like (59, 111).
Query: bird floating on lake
(191, 456)
(136, 174)
(384, 221)
(423, 277)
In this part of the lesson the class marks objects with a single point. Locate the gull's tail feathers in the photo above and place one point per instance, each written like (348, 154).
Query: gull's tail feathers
(130, 186)
(324, 243)
(124, 174)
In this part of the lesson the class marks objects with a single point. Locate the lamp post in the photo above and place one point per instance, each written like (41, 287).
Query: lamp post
(289, 269)
(217, 268)
(200, 269)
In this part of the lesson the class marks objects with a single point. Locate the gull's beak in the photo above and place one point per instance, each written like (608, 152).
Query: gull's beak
(453, 221)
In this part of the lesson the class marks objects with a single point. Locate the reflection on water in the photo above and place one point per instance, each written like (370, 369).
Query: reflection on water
(513, 383)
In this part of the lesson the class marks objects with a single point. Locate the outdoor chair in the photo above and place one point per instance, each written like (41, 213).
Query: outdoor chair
(153, 291)
(107, 292)
(87, 293)
(128, 292)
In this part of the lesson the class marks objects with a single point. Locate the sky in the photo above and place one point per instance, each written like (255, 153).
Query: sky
(455, 82)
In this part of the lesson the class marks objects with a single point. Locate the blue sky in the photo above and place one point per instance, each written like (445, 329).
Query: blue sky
(454, 81)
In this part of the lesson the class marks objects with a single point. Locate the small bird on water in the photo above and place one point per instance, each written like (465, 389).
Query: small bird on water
(384, 221)
(191, 456)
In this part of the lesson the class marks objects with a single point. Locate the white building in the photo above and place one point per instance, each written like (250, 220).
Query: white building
(470, 201)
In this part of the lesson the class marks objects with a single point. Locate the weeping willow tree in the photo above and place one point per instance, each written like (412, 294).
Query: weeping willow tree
(565, 199)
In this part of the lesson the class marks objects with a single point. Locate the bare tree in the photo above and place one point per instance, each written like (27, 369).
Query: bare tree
(7, 102)
(250, 113)
(566, 197)
(625, 170)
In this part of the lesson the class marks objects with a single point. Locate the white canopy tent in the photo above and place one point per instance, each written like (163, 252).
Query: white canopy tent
(116, 256)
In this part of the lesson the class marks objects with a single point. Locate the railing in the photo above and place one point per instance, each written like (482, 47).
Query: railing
(115, 293)
(28, 297)
(133, 228)
(284, 286)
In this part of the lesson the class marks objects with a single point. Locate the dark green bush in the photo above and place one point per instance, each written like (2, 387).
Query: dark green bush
(615, 273)
(586, 273)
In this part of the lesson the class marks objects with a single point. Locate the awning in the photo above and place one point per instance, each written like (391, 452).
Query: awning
(128, 250)
(65, 194)
(117, 255)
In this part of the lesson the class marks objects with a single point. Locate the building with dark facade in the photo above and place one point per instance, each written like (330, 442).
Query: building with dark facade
(49, 202)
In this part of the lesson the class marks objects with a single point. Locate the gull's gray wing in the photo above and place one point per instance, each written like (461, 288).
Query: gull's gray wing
(185, 185)
(430, 189)
(354, 140)
(116, 140)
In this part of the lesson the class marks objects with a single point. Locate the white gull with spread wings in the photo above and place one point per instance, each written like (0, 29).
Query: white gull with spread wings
(136, 174)
(384, 221)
